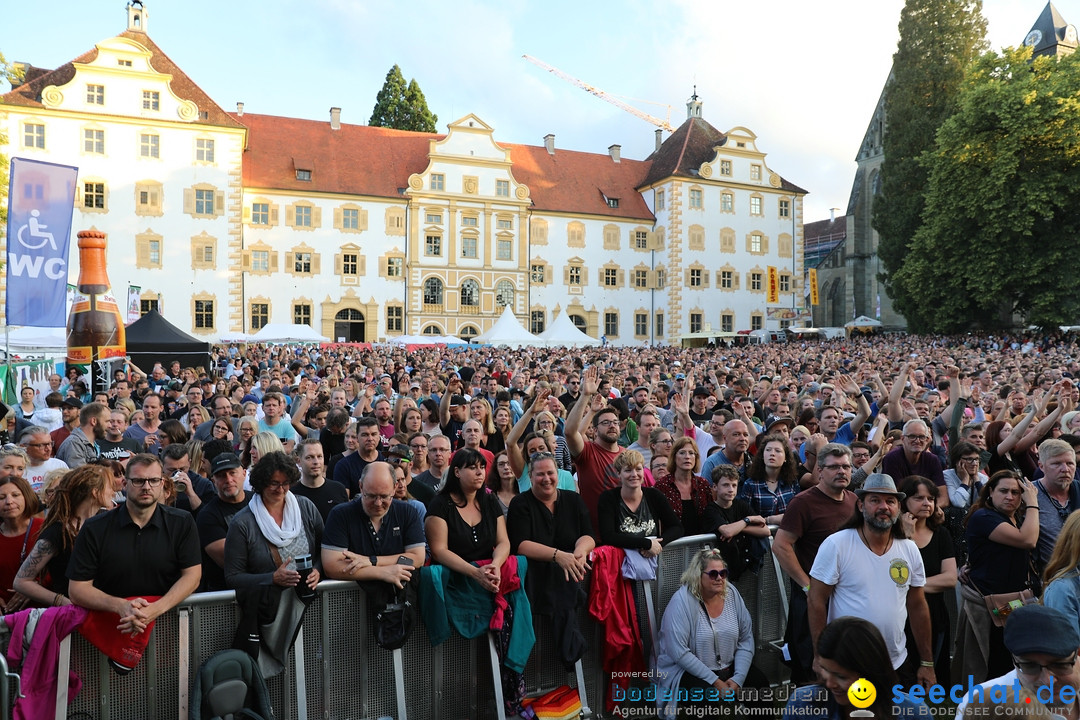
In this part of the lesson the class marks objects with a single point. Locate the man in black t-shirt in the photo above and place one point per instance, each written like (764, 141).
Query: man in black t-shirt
(453, 412)
(313, 483)
(215, 516)
(139, 549)
(115, 446)
(349, 469)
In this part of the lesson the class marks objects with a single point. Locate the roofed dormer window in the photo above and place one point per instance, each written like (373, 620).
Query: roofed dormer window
(304, 168)
(304, 175)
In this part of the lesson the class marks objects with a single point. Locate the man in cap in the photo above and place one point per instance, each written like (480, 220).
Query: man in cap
(453, 411)
(216, 515)
(868, 569)
(1043, 642)
(69, 411)
(700, 412)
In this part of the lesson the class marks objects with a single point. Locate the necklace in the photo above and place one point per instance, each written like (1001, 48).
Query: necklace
(866, 542)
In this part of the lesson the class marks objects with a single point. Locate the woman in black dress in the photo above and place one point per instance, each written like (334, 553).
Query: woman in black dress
(923, 525)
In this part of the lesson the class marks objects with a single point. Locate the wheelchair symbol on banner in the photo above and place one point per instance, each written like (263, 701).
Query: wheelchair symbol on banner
(37, 230)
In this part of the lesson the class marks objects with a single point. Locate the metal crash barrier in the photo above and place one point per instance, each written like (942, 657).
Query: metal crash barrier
(337, 672)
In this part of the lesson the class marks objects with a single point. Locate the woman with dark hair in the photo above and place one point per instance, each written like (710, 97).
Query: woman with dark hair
(429, 416)
(706, 639)
(1002, 530)
(1010, 446)
(273, 545)
(465, 524)
(80, 495)
(171, 431)
(963, 477)
(19, 531)
(850, 649)
(411, 420)
(922, 525)
(772, 480)
(502, 483)
(503, 421)
(687, 492)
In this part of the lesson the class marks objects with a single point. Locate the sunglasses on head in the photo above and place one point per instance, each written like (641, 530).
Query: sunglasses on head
(716, 574)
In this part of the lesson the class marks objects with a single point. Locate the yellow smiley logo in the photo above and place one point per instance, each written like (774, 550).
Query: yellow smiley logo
(862, 693)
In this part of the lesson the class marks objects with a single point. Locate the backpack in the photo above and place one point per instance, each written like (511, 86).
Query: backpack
(229, 686)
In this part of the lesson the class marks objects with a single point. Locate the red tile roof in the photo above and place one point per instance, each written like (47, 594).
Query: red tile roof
(29, 93)
(374, 161)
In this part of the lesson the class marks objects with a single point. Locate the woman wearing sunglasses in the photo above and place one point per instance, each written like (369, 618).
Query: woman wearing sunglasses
(706, 638)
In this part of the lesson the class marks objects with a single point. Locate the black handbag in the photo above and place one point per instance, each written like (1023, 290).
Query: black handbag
(394, 623)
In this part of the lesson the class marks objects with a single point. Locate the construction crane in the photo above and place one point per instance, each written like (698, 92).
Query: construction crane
(665, 124)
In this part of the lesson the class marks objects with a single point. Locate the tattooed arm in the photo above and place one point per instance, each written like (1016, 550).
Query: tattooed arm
(26, 580)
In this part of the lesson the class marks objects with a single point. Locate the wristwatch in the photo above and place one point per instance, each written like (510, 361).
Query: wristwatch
(374, 560)
(746, 519)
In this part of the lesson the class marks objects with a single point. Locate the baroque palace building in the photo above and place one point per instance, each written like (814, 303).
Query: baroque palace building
(229, 220)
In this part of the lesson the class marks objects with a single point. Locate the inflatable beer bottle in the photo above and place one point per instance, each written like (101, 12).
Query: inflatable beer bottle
(95, 331)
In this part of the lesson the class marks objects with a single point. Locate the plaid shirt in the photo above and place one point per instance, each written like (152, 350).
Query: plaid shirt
(764, 501)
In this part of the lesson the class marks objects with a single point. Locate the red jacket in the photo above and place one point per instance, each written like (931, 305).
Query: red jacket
(611, 603)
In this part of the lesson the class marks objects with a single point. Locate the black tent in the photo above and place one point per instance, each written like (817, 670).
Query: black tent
(153, 339)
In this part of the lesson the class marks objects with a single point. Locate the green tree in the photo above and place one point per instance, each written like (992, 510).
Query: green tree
(938, 40)
(1000, 225)
(402, 106)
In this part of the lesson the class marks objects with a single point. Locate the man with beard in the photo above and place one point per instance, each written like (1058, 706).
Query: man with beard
(869, 570)
(115, 446)
(594, 458)
(734, 452)
(1059, 496)
(81, 446)
(216, 515)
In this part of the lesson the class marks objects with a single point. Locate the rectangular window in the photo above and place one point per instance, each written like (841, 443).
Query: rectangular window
(755, 172)
(395, 318)
(641, 239)
(94, 141)
(260, 314)
(469, 221)
(149, 145)
(303, 216)
(755, 206)
(659, 324)
(260, 213)
(611, 324)
(755, 281)
(727, 202)
(785, 283)
(349, 263)
(725, 167)
(641, 324)
(433, 218)
(695, 199)
(302, 262)
(641, 279)
(695, 322)
(208, 254)
(204, 202)
(148, 200)
(537, 273)
(727, 280)
(151, 100)
(95, 94)
(755, 322)
(260, 261)
(468, 247)
(661, 200)
(94, 195)
(303, 175)
(502, 188)
(756, 242)
(204, 314)
(433, 245)
(34, 136)
(146, 306)
(536, 322)
(574, 274)
(504, 249)
(695, 277)
(301, 314)
(438, 181)
(504, 224)
(613, 202)
(661, 279)
(727, 323)
(204, 150)
(785, 208)
(123, 63)
(154, 248)
(611, 277)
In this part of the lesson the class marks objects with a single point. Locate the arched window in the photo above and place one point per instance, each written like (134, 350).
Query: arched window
(504, 293)
(468, 332)
(433, 330)
(470, 293)
(579, 322)
(433, 291)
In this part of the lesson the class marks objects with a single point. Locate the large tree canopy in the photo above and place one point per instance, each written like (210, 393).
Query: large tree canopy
(939, 39)
(1000, 227)
(402, 106)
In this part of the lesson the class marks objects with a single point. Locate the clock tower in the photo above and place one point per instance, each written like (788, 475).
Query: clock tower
(1051, 35)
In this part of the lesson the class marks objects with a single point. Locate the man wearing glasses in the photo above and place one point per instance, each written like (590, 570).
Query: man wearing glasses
(38, 445)
(1058, 495)
(1043, 642)
(913, 457)
(811, 516)
(139, 549)
(374, 537)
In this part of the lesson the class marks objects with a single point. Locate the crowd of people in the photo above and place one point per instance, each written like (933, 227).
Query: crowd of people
(898, 474)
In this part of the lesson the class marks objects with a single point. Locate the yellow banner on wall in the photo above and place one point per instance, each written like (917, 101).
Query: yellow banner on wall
(773, 290)
(813, 286)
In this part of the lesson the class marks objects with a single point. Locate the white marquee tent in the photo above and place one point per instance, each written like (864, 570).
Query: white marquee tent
(287, 333)
(564, 333)
(507, 332)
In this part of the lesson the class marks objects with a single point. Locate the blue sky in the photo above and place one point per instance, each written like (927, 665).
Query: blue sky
(804, 76)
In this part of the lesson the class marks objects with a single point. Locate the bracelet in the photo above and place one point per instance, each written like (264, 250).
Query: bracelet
(806, 589)
(57, 599)
(926, 663)
(554, 555)
(1031, 507)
